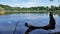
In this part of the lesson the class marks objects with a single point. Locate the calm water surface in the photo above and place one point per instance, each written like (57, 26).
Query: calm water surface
(8, 22)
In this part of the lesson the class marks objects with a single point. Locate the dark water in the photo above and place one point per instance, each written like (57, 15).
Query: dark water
(8, 22)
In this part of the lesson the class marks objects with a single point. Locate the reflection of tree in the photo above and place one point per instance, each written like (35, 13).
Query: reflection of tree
(15, 27)
(50, 26)
(28, 31)
(59, 15)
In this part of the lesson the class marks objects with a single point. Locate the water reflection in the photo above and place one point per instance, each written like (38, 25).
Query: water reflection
(8, 22)
(59, 15)
(50, 26)
(28, 31)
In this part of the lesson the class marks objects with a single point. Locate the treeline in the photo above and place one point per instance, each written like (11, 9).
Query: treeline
(6, 7)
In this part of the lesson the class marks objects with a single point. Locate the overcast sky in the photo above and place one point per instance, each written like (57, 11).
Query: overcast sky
(29, 3)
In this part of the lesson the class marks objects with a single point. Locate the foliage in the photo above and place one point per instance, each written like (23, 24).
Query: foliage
(2, 11)
(12, 10)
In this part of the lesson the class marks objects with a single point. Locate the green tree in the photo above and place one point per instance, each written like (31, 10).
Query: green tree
(2, 11)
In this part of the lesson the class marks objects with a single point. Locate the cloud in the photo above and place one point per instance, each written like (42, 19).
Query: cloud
(28, 4)
(15, 0)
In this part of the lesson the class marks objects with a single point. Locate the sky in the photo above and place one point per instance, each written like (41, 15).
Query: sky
(29, 3)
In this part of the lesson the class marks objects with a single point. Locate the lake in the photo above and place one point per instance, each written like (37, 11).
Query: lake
(8, 22)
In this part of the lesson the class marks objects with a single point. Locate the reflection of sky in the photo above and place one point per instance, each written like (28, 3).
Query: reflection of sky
(29, 3)
(7, 22)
